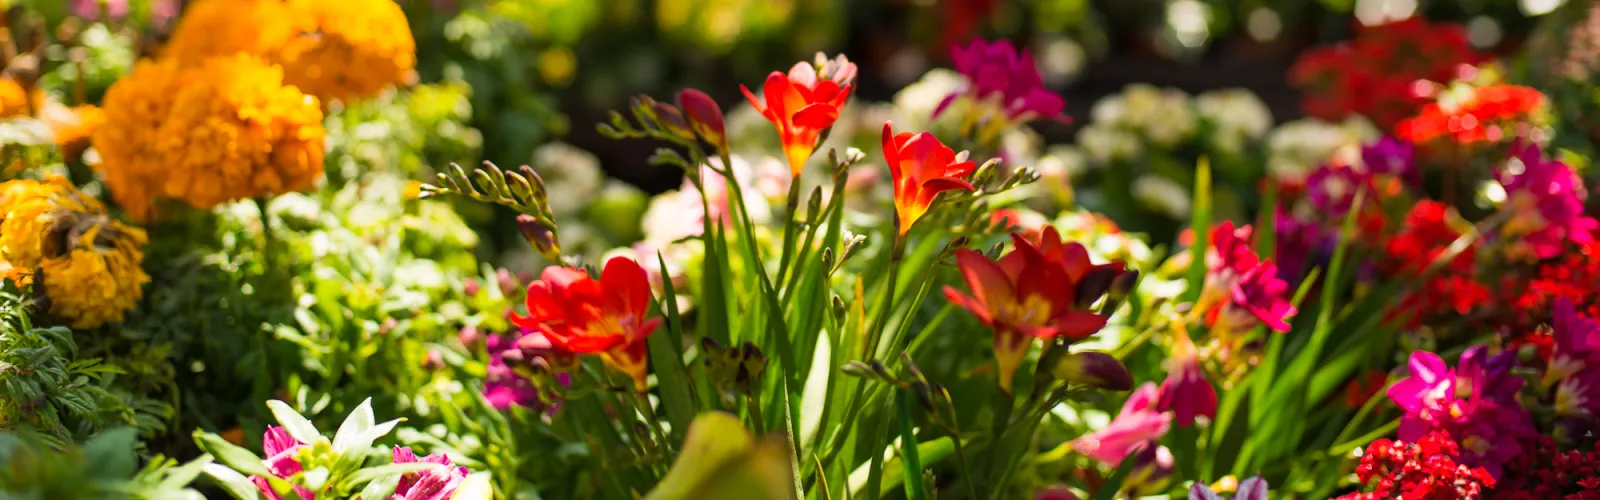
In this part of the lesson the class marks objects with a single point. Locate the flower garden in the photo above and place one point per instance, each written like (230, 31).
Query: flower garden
(306, 249)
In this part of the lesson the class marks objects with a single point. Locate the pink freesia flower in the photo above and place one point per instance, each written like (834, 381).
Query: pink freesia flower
(1545, 198)
(999, 74)
(1475, 403)
(281, 450)
(90, 10)
(432, 484)
(1186, 392)
(1136, 427)
(1265, 295)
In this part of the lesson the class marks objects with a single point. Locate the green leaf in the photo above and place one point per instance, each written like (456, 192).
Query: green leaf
(677, 394)
(1108, 489)
(232, 482)
(381, 488)
(1200, 225)
(180, 477)
(354, 427)
(721, 461)
(370, 474)
(298, 427)
(110, 453)
(928, 452)
(238, 458)
(910, 460)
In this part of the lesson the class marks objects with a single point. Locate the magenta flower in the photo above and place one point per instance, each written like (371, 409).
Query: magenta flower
(1186, 392)
(1332, 189)
(281, 450)
(432, 484)
(90, 10)
(1297, 243)
(1265, 295)
(502, 385)
(1230, 249)
(1392, 157)
(1545, 198)
(997, 73)
(1475, 403)
(1254, 488)
(1136, 427)
(1577, 339)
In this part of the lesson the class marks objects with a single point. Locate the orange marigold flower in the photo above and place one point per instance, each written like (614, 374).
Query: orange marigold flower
(361, 47)
(1038, 291)
(13, 99)
(582, 315)
(225, 130)
(803, 103)
(73, 127)
(345, 50)
(922, 167)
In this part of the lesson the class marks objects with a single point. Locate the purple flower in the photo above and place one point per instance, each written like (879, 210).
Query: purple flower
(1254, 488)
(1577, 340)
(502, 385)
(1332, 189)
(432, 484)
(281, 450)
(1136, 427)
(998, 73)
(1545, 198)
(1296, 244)
(1186, 392)
(1265, 295)
(1392, 157)
(90, 10)
(1475, 403)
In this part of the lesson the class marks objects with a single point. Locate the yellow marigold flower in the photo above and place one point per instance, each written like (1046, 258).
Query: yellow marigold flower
(230, 130)
(345, 49)
(361, 48)
(211, 28)
(54, 236)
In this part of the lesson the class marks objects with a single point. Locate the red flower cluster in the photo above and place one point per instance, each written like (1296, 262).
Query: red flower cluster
(1575, 277)
(1428, 232)
(1544, 471)
(1376, 74)
(1425, 470)
(1487, 114)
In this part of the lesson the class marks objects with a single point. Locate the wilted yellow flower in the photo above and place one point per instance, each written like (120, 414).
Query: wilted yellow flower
(227, 129)
(346, 49)
(361, 48)
(54, 236)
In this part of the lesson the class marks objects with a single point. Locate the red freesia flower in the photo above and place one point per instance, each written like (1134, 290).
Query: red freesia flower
(1030, 293)
(803, 103)
(1186, 392)
(582, 315)
(922, 167)
(1377, 74)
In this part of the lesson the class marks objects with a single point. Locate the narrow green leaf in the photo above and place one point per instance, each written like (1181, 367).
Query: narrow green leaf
(666, 353)
(381, 488)
(356, 424)
(910, 461)
(1108, 489)
(238, 458)
(238, 486)
(364, 476)
(1200, 225)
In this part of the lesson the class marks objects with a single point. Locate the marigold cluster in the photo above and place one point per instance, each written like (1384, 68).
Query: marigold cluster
(13, 98)
(225, 130)
(74, 127)
(345, 50)
(1376, 74)
(1424, 470)
(52, 236)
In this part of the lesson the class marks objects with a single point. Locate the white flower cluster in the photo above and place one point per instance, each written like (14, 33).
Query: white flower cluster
(1236, 116)
(1297, 147)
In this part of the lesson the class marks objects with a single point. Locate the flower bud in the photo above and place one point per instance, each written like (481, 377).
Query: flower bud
(672, 120)
(1095, 369)
(1152, 469)
(471, 287)
(508, 283)
(705, 117)
(1093, 285)
(470, 336)
(434, 361)
(1055, 493)
(540, 236)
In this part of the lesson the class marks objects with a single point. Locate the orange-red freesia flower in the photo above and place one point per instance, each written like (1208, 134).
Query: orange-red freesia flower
(582, 315)
(921, 167)
(803, 103)
(1032, 292)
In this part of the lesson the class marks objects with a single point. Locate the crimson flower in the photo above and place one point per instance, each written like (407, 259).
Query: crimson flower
(1030, 293)
(1186, 392)
(922, 167)
(803, 103)
(282, 461)
(1138, 426)
(582, 315)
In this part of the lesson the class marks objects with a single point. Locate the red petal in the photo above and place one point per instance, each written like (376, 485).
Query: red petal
(816, 116)
(781, 98)
(988, 282)
(935, 186)
(587, 344)
(624, 279)
(891, 154)
(970, 303)
(755, 102)
(1077, 325)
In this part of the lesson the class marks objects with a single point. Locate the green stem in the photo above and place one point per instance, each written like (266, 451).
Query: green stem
(788, 228)
(910, 460)
(880, 322)
(961, 457)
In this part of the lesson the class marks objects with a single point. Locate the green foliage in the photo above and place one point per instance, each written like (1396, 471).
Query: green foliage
(103, 468)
